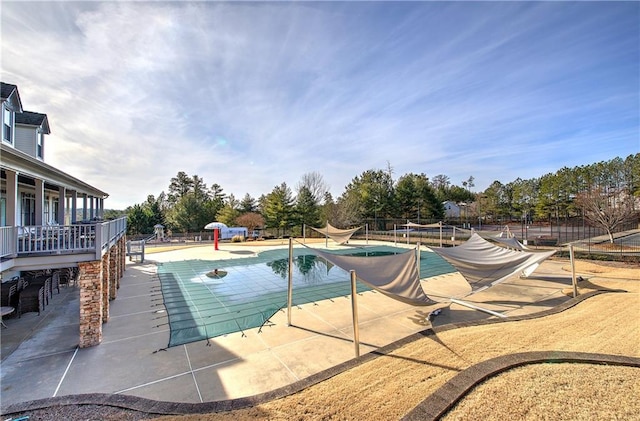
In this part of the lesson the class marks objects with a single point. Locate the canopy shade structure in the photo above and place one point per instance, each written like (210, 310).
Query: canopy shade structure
(215, 225)
(483, 264)
(393, 275)
(340, 236)
(414, 225)
(511, 242)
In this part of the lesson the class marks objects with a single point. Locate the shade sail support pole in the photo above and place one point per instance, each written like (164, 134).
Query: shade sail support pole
(484, 310)
(326, 236)
(418, 258)
(407, 231)
(573, 271)
(366, 236)
(354, 310)
(395, 235)
(290, 283)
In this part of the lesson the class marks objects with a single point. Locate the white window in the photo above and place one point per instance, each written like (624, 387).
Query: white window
(28, 209)
(51, 210)
(39, 146)
(7, 129)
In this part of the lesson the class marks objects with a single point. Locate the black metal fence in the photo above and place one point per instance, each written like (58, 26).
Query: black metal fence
(589, 241)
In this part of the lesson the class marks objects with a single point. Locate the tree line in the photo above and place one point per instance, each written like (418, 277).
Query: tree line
(590, 191)
(606, 194)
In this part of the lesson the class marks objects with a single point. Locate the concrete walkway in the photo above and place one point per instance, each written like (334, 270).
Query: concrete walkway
(40, 357)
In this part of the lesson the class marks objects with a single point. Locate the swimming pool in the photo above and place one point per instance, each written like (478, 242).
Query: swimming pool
(252, 290)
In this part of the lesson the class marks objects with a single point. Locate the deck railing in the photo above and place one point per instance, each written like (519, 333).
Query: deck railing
(61, 239)
(8, 243)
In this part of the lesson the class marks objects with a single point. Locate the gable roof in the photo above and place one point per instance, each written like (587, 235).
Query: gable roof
(31, 118)
(9, 93)
(7, 90)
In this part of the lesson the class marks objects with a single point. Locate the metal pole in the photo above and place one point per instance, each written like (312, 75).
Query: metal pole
(407, 231)
(418, 257)
(354, 310)
(366, 231)
(484, 310)
(290, 286)
(440, 233)
(573, 272)
(395, 237)
(326, 236)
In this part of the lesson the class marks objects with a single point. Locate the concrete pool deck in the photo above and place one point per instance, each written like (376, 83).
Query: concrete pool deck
(40, 358)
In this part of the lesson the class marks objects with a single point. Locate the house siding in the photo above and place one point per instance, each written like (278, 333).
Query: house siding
(25, 140)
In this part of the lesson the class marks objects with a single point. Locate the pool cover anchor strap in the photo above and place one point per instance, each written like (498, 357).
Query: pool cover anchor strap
(268, 323)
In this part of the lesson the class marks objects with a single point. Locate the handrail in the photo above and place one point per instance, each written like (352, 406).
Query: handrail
(8, 245)
(111, 232)
(61, 239)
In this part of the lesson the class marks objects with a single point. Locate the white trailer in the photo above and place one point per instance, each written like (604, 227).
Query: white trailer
(230, 232)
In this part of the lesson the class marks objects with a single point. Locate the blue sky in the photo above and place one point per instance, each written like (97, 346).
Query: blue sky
(250, 95)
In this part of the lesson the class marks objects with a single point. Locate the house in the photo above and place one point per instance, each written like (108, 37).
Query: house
(451, 209)
(39, 227)
(29, 133)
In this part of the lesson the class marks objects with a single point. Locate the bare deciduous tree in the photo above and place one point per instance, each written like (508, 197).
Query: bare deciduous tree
(314, 182)
(606, 209)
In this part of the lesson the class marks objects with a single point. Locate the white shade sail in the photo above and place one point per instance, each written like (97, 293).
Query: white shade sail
(483, 264)
(394, 275)
(340, 236)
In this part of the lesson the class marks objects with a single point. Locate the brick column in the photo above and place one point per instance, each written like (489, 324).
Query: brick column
(90, 283)
(113, 272)
(105, 288)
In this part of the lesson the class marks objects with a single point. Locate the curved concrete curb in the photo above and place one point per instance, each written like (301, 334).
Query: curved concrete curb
(449, 394)
(180, 408)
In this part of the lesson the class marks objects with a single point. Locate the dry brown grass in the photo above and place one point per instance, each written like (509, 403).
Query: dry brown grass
(618, 270)
(390, 386)
(554, 392)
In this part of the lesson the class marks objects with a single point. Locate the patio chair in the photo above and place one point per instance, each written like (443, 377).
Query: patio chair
(6, 289)
(32, 299)
(66, 276)
(22, 284)
(55, 281)
(48, 290)
(8, 295)
(73, 276)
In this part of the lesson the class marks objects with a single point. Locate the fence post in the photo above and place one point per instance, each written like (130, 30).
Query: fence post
(290, 282)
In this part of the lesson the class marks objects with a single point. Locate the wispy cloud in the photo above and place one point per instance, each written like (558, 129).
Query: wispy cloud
(248, 95)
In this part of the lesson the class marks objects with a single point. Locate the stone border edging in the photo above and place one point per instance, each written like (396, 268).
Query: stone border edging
(154, 407)
(449, 394)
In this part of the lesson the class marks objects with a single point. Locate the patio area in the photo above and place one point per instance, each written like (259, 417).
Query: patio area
(41, 359)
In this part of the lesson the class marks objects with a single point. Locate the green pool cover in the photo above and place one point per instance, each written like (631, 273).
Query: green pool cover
(248, 292)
